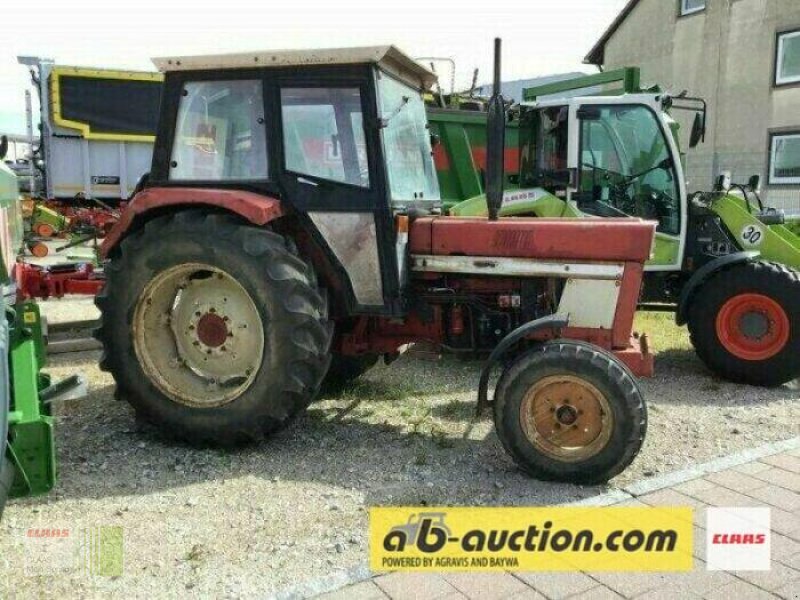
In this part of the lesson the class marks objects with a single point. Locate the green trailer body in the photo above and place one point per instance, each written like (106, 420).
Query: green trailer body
(460, 155)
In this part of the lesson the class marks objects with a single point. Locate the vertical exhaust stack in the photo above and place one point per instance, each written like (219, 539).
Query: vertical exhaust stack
(495, 141)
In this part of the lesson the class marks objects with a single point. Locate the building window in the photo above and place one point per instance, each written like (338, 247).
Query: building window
(787, 69)
(784, 160)
(689, 7)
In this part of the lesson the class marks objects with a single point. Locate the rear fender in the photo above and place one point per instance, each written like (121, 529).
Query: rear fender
(255, 208)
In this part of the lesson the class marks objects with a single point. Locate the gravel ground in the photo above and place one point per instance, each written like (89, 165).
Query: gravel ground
(228, 524)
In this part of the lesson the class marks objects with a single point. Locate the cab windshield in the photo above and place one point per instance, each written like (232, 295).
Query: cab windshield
(626, 166)
(406, 141)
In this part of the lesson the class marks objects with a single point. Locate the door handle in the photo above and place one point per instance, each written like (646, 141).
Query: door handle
(307, 181)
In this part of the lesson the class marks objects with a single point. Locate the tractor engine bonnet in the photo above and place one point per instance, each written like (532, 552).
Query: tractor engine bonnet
(594, 240)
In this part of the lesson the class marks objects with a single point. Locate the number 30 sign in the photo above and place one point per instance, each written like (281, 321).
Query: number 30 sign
(752, 236)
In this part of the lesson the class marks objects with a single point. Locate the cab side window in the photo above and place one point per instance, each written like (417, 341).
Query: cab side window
(219, 133)
(323, 134)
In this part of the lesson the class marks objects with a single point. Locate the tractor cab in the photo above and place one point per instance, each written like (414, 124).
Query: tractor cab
(338, 137)
(609, 156)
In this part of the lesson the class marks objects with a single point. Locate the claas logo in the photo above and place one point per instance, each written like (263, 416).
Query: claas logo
(739, 538)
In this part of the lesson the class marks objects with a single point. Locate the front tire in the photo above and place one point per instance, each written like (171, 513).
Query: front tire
(570, 411)
(744, 324)
(213, 330)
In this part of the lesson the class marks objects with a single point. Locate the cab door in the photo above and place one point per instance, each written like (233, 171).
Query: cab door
(327, 172)
(627, 164)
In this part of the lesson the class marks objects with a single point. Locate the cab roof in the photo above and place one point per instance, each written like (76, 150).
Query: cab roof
(388, 57)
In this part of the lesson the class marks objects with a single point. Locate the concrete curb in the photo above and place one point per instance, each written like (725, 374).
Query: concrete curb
(361, 572)
(719, 464)
(323, 585)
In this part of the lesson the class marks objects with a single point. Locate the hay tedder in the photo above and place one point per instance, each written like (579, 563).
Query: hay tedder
(290, 234)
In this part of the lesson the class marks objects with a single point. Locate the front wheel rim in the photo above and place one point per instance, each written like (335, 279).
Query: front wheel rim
(566, 418)
(753, 327)
(198, 335)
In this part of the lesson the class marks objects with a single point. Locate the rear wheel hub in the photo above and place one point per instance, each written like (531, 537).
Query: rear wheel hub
(752, 327)
(198, 335)
(212, 330)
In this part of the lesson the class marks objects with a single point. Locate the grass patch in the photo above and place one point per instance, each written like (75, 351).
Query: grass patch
(662, 331)
(794, 226)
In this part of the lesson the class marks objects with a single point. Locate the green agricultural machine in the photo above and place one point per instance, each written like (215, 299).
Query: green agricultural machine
(724, 262)
(28, 464)
(459, 151)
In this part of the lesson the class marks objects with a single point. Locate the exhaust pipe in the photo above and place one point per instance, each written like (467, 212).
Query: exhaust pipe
(495, 141)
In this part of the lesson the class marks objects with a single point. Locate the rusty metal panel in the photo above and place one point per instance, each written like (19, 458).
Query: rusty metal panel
(353, 239)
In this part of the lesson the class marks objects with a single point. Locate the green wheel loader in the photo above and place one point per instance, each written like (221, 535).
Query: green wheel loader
(722, 261)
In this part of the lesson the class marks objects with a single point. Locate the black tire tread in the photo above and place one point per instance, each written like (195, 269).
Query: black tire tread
(573, 353)
(304, 309)
(756, 276)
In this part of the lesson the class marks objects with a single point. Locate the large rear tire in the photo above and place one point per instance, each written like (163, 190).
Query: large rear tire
(214, 330)
(570, 411)
(744, 323)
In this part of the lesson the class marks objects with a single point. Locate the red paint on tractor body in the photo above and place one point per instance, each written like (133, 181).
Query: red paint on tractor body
(256, 208)
(593, 240)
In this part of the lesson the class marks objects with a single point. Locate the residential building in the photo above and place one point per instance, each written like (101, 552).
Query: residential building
(743, 57)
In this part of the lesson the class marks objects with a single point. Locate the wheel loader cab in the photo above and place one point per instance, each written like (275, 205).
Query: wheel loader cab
(338, 137)
(609, 157)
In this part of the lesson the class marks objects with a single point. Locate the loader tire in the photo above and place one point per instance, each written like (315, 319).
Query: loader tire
(744, 323)
(214, 330)
(344, 370)
(570, 411)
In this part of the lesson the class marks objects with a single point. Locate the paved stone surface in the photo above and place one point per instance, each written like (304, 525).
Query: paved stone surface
(488, 586)
(772, 481)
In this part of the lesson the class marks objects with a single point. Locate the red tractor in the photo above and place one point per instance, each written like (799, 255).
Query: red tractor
(289, 235)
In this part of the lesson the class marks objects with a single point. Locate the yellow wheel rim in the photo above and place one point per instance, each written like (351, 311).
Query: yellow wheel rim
(566, 418)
